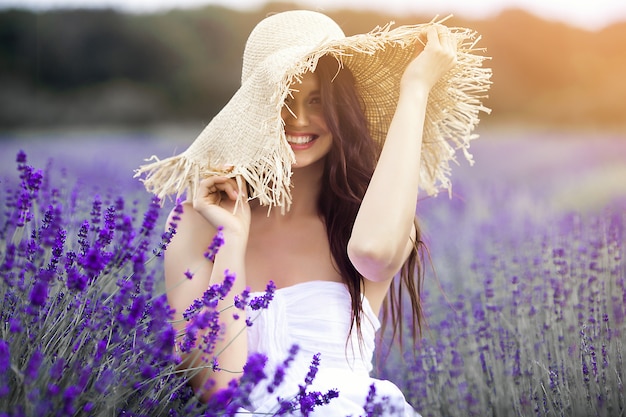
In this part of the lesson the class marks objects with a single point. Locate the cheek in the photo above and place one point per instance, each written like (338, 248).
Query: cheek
(319, 120)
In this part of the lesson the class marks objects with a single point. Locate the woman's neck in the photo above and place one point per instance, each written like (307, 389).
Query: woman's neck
(306, 184)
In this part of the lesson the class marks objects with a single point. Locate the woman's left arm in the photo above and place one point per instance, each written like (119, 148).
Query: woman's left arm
(383, 232)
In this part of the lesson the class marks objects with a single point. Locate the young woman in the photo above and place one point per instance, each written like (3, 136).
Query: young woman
(347, 227)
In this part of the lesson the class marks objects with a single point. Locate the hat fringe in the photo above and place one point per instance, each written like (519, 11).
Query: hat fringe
(170, 176)
(269, 180)
(465, 86)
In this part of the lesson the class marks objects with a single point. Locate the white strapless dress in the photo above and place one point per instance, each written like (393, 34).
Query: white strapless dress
(315, 315)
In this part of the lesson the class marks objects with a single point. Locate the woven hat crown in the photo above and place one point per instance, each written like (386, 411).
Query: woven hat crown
(278, 39)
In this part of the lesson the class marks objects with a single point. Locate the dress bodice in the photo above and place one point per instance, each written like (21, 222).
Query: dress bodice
(315, 315)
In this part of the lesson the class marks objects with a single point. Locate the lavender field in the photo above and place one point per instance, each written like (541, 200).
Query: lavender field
(526, 298)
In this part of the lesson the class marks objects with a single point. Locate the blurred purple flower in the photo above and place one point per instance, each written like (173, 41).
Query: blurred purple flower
(216, 244)
(279, 373)
(315, 363)
(5, 356)
(32, 368)
(151, 216)
(15, 325)
(39, 293)
(263, 301)
(75, 280)
(241, 300)
(69, 397)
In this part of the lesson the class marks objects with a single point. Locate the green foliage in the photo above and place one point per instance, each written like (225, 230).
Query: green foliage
(190, 62)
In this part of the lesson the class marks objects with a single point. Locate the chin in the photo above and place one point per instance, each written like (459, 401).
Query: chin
(302, 163)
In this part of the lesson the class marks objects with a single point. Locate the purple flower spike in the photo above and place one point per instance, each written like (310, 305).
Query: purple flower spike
(21, 157)
(15, 325)
(75, 280)
(279, 374)
(166, 238)
(5, 356)
(241, 300)
(216, 244)
(254, 369)
(151, 216)
(32, 369)
(370, 405)
(39, 293)
(57, 369)
(263, 301)
(69, 397)
(178, 210)
(227, 284)
(315, 363)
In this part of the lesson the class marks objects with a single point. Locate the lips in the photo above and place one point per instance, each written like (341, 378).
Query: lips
(300, 139)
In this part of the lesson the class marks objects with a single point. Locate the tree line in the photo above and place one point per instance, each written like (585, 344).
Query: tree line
(104, 66)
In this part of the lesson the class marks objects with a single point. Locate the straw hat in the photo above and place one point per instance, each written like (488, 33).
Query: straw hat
(247, 137)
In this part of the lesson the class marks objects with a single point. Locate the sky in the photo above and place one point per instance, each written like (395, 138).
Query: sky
(588, 14)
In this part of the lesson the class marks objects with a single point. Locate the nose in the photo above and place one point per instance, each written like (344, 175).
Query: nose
(295, 114)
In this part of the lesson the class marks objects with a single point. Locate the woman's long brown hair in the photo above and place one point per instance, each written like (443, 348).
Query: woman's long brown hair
(349, 168)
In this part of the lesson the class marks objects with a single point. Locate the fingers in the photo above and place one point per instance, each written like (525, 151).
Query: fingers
(214, 187)
(440, 36)
(436, 59)
(223, 202)
(437, 37)
(442, 42)
(448, 40)
(432, 35)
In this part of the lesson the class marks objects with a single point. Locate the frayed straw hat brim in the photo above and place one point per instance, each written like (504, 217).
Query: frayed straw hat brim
(247, 137)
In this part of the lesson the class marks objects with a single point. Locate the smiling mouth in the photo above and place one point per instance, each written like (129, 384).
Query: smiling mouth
(301, 139)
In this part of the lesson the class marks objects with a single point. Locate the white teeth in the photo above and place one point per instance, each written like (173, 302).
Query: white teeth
(299, 140)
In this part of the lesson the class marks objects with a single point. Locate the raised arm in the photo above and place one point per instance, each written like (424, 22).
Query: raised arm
(197, 225)
(383, 231)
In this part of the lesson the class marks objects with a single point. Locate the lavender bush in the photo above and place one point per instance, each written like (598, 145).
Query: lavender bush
(79, 311)
(525, 314)
(541, 334)
(84, 329)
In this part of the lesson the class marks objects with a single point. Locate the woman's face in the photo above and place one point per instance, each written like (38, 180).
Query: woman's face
(305, 126)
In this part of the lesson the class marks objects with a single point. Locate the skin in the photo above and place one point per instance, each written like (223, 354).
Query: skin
(293, 248)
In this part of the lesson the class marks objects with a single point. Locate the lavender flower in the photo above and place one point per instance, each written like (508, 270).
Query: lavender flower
(5, 356)
(240, 301)
(315, 363)
(216, 244)
(279, 373)
(306, 401)
(150, 217)
(262, 301)
(32, 368)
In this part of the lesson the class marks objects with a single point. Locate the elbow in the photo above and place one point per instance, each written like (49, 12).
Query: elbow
(373, 261)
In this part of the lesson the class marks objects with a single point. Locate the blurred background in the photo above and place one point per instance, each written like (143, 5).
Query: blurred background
(101, 63)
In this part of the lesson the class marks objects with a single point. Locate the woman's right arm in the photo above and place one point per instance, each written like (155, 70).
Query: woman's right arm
(194, 233)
